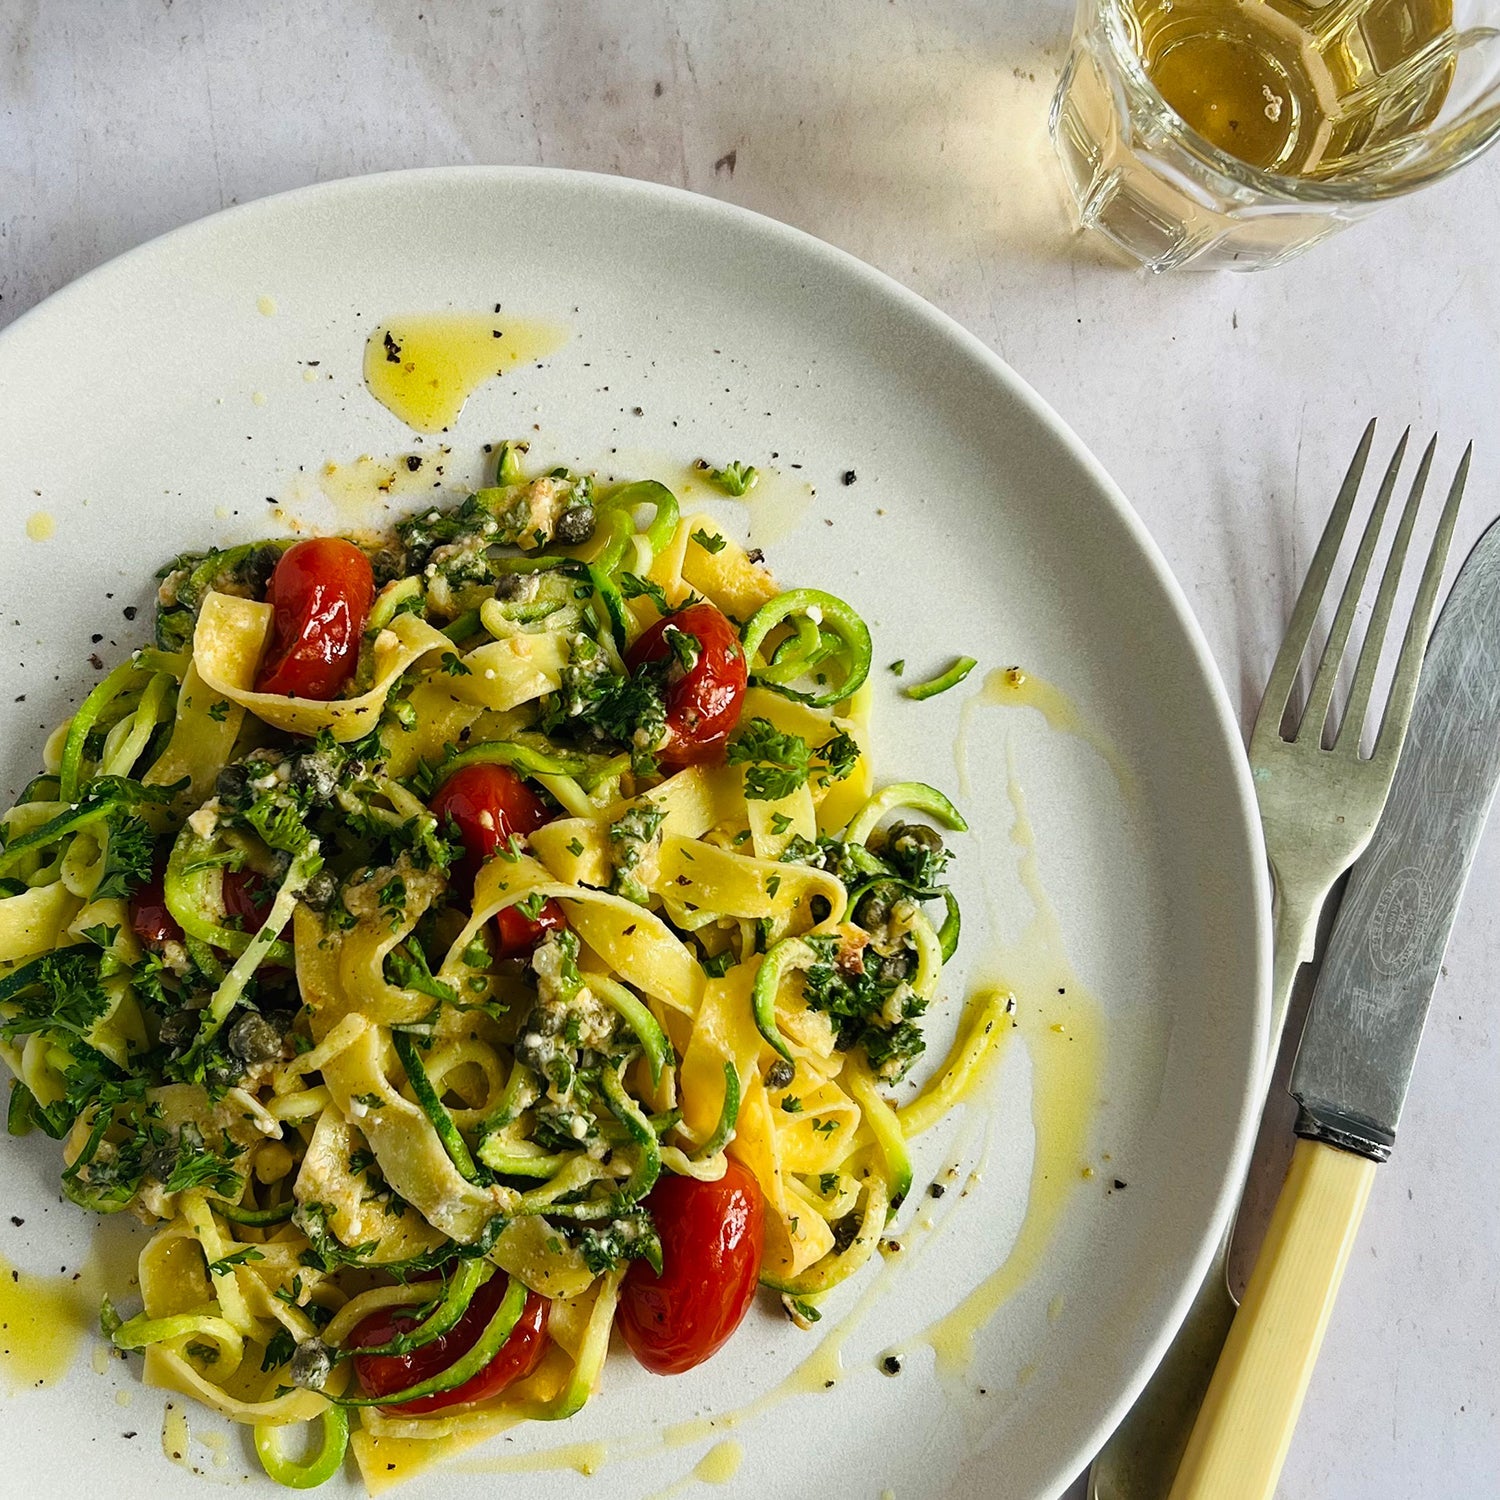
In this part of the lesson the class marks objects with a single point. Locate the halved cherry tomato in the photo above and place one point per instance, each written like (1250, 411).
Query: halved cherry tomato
(321, 591)
(712, 1237)
(487, 804)
(519, 1355)
(150, 920)
(703, 703)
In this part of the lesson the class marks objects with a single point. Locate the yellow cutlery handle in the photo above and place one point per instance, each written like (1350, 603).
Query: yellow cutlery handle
(1244, 1429)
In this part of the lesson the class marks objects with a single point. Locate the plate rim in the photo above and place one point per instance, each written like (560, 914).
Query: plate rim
(1250, 1100)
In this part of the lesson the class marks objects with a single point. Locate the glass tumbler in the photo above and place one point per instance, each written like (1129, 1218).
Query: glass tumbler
(1233, 134)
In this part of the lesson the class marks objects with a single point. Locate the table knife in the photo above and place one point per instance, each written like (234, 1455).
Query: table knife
(1360, 1042)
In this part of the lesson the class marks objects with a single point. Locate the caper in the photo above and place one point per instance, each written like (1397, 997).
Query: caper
(223, 1072)
(891, 968)
(387, 563)
(780, 1074)
(874, 907)
(513, 587)
(574, 525)
(319, 892)
(311, 1365)
(178, 1029)
(231, 782)
(254, 1039)
(313, 774)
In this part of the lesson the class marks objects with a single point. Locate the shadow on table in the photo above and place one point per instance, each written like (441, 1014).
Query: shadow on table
(911, 136)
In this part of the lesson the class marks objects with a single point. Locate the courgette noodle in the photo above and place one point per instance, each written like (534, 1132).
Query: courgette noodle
(320, 1468)
(842, 638)
(255, 980)
(950, 678)
(463, 1369)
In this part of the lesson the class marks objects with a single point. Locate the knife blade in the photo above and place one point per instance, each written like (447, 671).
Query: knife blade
(1359, 1044)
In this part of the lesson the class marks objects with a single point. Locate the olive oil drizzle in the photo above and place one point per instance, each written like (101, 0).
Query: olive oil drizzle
(42, 1323)
(425, 367)
(1062, 1027)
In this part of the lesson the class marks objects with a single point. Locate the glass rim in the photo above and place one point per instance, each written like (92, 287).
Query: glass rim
(1281, 184)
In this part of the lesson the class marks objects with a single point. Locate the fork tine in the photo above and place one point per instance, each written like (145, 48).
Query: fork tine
(1304, 615)
(1409, 665)
(1369, 656)
(1316, 712)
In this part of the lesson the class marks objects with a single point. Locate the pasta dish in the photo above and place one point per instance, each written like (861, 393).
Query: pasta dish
(460, 943)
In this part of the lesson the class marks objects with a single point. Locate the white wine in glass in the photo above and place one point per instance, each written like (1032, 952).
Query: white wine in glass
(1298, 88)
(1236, 133)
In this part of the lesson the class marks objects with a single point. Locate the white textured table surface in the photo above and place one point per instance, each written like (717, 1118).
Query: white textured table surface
(912, 133)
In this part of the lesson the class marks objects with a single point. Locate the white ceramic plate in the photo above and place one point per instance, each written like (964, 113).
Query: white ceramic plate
(155, 406)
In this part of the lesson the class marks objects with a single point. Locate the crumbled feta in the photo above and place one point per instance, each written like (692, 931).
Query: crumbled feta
(206, 819)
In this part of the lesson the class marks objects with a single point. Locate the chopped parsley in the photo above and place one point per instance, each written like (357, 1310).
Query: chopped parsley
(776, 764)
(632, 586)
(238, 1258)
(736, 479)
(633, 837)
(779, 764)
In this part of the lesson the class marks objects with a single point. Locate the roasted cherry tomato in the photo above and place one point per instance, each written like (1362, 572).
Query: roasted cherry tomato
(320, 591)
(248, 897)
(150, 920)
(712, 1236)
(703, 703)
(519, 1355)
(519, 934)
(487, 804)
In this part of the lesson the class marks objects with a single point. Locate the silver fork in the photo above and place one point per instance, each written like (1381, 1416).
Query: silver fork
(1319, 808)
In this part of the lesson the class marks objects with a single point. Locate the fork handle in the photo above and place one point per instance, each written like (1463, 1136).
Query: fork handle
(1244, 1429)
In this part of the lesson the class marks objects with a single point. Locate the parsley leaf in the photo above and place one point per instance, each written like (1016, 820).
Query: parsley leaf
(777, 764)
(632, 586)
(735, 478)
(839, 755)
(236, 1258)
(718, 965)
(407, 966)
(60, 991)
(128, 858)
(280, 1347)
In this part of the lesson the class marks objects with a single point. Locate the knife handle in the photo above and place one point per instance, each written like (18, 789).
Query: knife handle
(1244, 1429)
